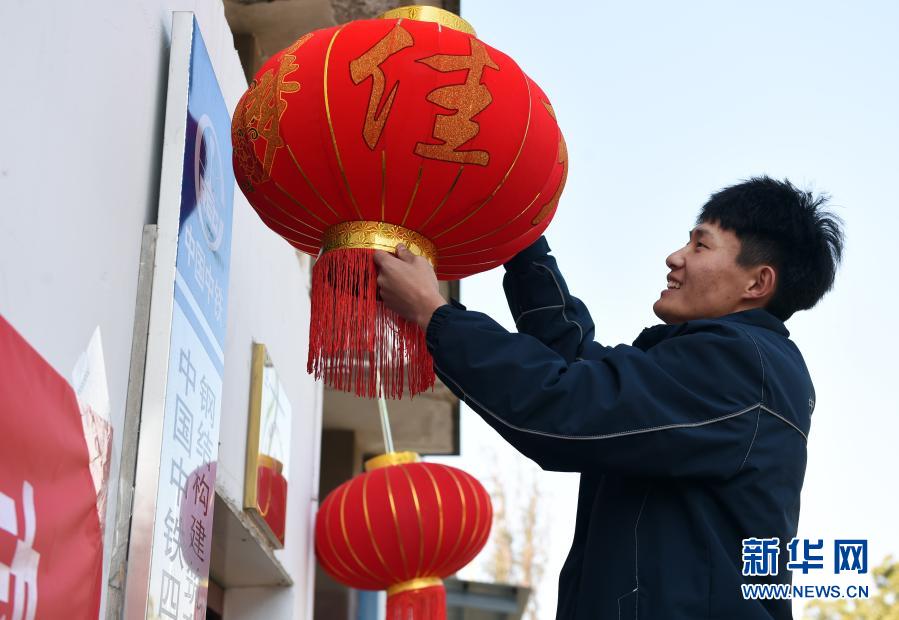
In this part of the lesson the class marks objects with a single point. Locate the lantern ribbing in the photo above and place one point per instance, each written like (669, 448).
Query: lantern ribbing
(403, 526)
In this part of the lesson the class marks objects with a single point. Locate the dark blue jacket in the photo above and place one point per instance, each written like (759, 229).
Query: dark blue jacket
(687, 442)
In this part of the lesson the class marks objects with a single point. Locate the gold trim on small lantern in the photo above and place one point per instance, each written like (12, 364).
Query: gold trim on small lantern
(430, 14)
(377, 236)
(414, 584)
(391, 458)
(272, 463)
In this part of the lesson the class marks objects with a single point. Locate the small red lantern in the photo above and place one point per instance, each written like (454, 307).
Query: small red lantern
(271, 489)
(405, 129)
(403, 526)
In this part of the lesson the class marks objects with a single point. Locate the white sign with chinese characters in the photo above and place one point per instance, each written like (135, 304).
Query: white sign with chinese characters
(183, 534)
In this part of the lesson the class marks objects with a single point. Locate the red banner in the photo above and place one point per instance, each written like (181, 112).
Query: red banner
(51, 551)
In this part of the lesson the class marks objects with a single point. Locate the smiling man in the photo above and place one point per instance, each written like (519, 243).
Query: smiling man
(691, 440)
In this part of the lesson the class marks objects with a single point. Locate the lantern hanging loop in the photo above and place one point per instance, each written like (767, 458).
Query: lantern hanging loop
(423, 13)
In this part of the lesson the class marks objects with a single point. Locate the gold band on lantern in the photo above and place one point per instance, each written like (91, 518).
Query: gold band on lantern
(430, 14)
(391, 458)
(377, 236)
(414, 584)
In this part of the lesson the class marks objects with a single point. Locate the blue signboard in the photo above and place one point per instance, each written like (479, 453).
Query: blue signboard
(182, 534)
(207, 198)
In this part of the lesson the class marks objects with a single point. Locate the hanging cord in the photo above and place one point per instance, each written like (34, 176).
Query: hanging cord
(382, 409)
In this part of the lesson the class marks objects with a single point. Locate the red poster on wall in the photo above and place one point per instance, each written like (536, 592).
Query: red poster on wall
(51, 552)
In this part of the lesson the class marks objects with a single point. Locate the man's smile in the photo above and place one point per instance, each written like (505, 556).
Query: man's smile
(673, 284)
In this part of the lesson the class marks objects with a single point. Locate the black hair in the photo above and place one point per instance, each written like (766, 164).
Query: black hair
(789, 229)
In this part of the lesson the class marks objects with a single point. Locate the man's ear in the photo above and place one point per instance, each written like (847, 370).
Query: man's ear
(763, 285)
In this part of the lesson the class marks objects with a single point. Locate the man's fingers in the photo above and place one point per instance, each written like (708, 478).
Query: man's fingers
(381, 281)
(404, 254)
(380, 257)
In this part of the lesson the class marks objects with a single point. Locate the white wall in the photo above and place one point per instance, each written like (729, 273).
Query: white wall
(84, 88)
(271, 307)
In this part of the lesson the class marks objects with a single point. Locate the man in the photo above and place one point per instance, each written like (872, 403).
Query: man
(689, 441)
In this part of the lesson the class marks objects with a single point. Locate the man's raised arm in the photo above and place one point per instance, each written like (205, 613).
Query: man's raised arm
(658, 413)
(542, 306)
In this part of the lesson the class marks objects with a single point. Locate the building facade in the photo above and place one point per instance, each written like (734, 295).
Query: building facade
(80, 192)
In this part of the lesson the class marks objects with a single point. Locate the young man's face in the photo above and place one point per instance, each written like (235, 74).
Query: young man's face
(704, 280)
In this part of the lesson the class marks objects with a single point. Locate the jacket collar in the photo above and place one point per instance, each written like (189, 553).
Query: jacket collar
(757, 317)
(760, 318)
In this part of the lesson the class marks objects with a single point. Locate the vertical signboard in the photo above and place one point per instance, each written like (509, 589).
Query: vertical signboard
(171, 533)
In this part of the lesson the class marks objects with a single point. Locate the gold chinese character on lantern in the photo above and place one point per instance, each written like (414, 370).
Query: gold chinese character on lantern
(265, 105)
(467, 99)
(369, 65)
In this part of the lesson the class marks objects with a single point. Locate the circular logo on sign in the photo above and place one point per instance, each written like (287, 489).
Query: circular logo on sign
(209, 182)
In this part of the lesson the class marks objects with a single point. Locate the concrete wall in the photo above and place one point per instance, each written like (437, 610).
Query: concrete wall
(84, 93)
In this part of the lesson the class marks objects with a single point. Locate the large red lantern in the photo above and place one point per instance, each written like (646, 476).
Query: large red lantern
(402, 527)
(405, 129)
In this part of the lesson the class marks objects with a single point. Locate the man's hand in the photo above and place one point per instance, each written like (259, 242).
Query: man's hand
(408, 285)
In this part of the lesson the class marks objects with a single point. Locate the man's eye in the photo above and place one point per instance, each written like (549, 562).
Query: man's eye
(699, 244)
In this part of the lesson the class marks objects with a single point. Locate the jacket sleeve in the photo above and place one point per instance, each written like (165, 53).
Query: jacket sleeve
(687, 407)
(542, 306)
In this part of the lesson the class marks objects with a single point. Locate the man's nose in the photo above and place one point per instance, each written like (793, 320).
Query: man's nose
(675, 260)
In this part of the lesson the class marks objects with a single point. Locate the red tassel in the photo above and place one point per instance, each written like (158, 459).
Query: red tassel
(351, 330)
(423, 604)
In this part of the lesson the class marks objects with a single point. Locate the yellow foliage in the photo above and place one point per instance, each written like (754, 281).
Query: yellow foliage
(882, 605)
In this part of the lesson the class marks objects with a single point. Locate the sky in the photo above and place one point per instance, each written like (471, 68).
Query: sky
(662, 104)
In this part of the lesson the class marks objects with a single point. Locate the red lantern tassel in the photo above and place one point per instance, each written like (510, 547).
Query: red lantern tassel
(418, 604)
(351, 331)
